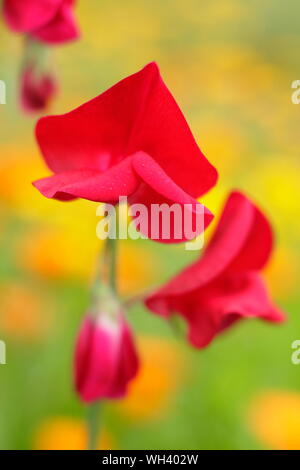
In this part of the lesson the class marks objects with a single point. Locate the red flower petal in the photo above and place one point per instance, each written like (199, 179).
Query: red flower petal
(258, 246)
(120, 180)
(223, 303)
(138, 113)
(61, 28)
(242, 240)
(27, 15)
(140, 178)
(158, 188)
(223, 286)
(217, 306)
(128, 365)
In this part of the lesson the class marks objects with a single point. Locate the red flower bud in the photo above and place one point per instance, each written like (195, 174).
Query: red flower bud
(37, 88)
(105, 358)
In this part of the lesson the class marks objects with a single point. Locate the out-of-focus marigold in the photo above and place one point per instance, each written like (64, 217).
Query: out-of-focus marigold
(64, 433)
(25, 316)
(162, 369)
(274, 418)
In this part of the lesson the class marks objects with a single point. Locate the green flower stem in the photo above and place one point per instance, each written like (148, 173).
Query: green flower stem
(112, 249)
(93, 419)
(107, 273)
(35, 53)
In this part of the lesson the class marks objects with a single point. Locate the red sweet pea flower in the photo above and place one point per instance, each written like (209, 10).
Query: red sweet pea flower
(50, 21)
(37, 89)
(132, 141)
(105, 358)
(224, 285)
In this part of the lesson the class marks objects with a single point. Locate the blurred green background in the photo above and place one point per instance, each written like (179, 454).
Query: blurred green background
(230, 65)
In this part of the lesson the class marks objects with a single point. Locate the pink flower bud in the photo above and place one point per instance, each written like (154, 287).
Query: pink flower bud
(105, 357)
(36, 89)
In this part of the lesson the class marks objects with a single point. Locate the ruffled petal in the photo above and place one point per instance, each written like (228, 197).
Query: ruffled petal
(222, 304)
(187, 221)
(136, 114)
(226, 242)
(161, 131)
(107, 186)
(224, 285)
(242, 241)
(144, 182)
(257, 247)
(217, 306)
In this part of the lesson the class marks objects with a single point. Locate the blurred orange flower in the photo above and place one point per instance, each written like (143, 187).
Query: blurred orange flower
(16, 172)
(281, 273)
(57, 253)
(24, 315)
(274, 419)
(54, 253)
(137, 268)
(161, 371)
(222, 137)
(63, 433)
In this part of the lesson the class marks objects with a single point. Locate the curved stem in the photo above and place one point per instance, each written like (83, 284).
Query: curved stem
(139, 298)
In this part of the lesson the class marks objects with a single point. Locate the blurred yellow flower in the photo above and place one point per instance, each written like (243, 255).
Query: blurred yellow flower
(17, 171)
(131, 23)
(63, 433)
(162, 370)
(137, 267)
(274, 181)
(274, 419)
(213, 14)
(54, 253)
(281, 273)
(24, 314)
(222, 141)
